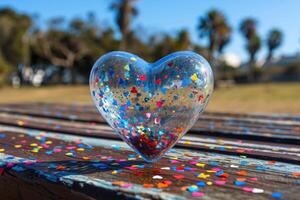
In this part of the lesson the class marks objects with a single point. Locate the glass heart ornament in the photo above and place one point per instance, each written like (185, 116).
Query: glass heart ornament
(151, 105)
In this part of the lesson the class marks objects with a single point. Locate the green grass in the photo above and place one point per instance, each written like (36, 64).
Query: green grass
(259, 98)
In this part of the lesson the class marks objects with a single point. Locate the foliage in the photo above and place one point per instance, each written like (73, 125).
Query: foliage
(13, 42)
(74, 45)
(125, 11)
(248, 30)
(5, 69)
(215, 28)
(274, 40)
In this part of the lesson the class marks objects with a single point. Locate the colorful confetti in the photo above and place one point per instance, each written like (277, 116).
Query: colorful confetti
(140, 100)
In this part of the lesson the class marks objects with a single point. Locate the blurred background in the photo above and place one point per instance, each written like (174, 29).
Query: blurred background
(47, 48)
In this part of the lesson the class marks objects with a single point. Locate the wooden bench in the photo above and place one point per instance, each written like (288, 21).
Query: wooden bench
(57, 151)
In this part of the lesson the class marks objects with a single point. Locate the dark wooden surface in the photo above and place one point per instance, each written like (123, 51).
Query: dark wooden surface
(55, 151)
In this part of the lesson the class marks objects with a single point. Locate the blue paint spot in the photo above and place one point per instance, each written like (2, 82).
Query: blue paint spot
(2, 163)
(193, 189)
(115, 102)
(131, 156)
(243, 163)
(219, 173)
(185, 82)
(213, 163)
(100, 165)
(261, 168)
(188, 168)
(17, 168)
(163, 90)
(239, 183)
(128, 103)
(221, 148)
(277, 195)
(201, 184)
(126, 94)
(49, 152)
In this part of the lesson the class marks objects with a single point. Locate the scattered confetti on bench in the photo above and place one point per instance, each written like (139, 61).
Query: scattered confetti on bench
(58, 151)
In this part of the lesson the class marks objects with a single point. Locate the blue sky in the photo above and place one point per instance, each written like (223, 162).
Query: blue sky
(172, 15)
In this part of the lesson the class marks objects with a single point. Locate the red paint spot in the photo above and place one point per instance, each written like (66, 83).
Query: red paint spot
(159, 104)
(97, 80)
(180, 168)
(1, 171)
(167, 182)
(170, 64)
(138, 173)
(158, 81)
(133, 90)
(224, 175)
(143, 77)
(201, 97)
(178, 176)
(148, 142)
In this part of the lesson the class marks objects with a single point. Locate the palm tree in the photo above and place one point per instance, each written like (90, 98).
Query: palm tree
(214, 26)
(248, 29)
(253, 46)
(125, 11)
(274, 40)
(183, 40)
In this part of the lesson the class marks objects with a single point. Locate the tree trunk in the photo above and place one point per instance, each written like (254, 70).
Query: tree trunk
(270, 56)
(251, 76)
(73, 75)
(61, 75)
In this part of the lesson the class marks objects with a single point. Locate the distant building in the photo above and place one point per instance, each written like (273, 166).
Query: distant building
(284, 60)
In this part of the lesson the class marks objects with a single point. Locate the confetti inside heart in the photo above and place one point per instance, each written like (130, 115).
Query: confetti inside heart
(151, 106)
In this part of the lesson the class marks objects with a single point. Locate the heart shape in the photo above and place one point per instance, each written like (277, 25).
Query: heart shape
(151, 106)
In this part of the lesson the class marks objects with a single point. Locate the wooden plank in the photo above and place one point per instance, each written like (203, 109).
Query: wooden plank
(289, 153)
(285, 131)
(107, 169)
(260, 151)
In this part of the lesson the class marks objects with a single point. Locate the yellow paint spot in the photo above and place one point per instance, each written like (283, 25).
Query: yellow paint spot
(18, 146)
(35, 150)
(86, 158)
(209, 183)
(126, 67)
(211, 171)
(33, 145)
(80, 149)
(114, 172)
(204, 176)
(133, 59)
(69, 154)
(200, 164)
(20, 123)
(48, 142)
(194, 77)
(2, 150)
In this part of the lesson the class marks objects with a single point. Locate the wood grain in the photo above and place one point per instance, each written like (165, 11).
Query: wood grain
(264, 147)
